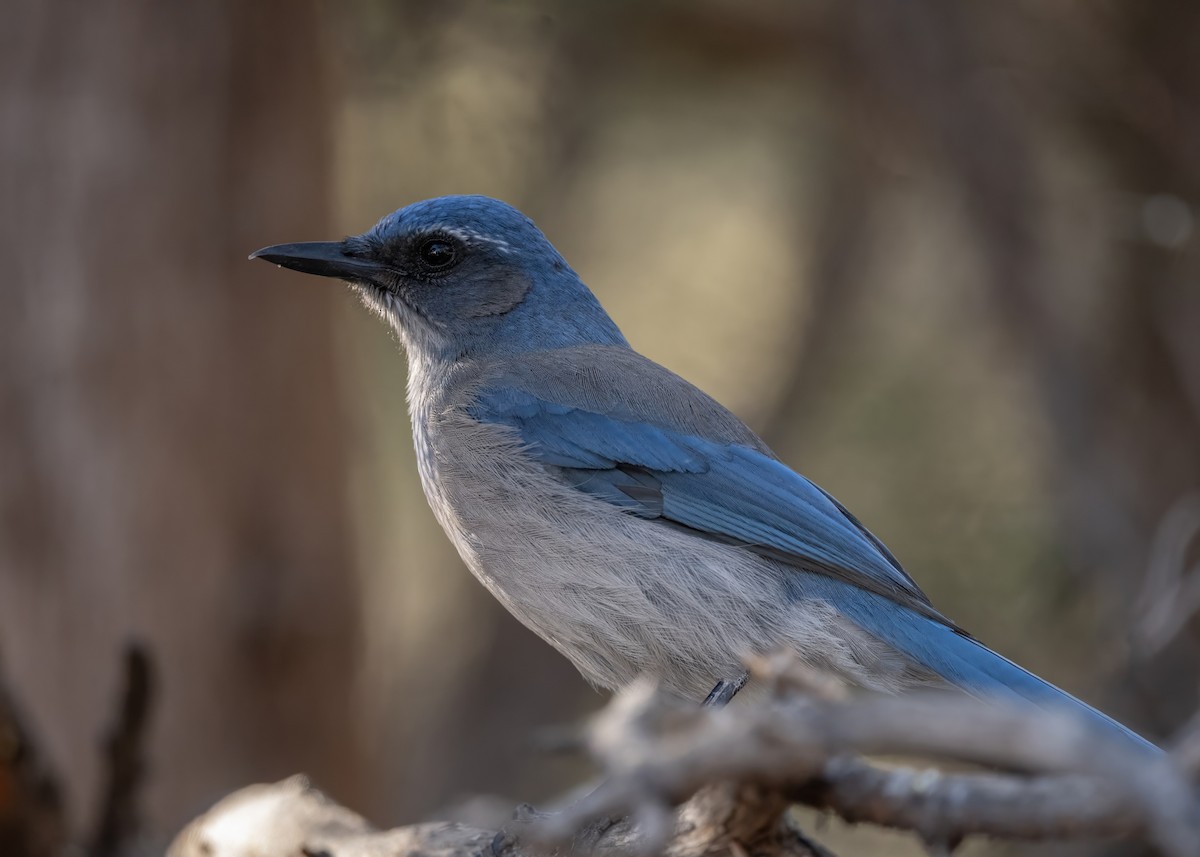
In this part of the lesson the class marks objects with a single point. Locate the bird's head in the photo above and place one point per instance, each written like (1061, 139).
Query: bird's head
(459, 276)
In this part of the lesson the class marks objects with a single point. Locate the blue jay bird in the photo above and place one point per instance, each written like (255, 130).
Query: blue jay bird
(623, 515)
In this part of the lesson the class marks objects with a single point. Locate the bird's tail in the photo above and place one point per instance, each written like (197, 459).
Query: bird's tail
(972, 666)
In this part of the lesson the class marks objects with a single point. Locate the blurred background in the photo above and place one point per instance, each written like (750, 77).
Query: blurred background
(942, 256)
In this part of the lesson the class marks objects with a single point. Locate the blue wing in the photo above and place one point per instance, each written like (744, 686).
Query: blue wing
(721, 490)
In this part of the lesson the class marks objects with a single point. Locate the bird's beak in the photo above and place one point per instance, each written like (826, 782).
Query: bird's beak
(323, 258)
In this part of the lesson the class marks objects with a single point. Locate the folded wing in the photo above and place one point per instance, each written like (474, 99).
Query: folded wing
(639, 457)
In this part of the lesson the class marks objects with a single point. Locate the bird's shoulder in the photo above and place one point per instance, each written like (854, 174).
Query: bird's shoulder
(615, 382)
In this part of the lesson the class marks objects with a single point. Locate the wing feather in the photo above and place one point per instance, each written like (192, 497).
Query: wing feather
(646, 462)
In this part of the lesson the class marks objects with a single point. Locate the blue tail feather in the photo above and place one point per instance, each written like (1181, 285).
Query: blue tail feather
(964, 661)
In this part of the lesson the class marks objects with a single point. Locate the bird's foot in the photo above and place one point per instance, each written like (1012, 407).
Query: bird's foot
(726, 690)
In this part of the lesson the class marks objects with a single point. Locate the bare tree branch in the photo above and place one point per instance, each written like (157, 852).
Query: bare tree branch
(118, 822)
(935, 804)
(291, 818)
(687, 781)
(32, 817)
(1170, 593)
(1074, 783)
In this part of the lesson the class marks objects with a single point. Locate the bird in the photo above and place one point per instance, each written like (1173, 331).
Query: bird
(618, 511)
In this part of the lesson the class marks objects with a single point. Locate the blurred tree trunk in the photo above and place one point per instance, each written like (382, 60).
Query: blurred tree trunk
(171, 441)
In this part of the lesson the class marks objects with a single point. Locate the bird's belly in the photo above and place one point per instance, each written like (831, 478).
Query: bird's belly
(619, 595)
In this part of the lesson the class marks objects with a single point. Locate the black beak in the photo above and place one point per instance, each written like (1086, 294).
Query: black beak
(323, 258)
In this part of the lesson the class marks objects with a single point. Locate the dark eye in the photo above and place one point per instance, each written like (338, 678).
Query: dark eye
(437, 254)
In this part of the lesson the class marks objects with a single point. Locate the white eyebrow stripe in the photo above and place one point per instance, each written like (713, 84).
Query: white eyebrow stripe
(469, 235)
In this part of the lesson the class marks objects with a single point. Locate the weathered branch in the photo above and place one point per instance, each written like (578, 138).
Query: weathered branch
(688, 782)
(117, 822)
(1073, 783)
(935, 804)
(32, 816)
(291, 818)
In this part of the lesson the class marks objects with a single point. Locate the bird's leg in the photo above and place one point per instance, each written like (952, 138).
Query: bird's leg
(726, 690)
(507, 839)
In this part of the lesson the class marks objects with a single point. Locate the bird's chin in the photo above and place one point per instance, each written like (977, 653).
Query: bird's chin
(384, 303)
(410, 325)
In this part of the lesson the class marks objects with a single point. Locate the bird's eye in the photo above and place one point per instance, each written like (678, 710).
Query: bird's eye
(437, 254)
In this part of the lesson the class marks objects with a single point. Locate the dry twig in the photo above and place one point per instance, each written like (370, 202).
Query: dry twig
(32, 816)
(1066, 780)
(117, 823)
